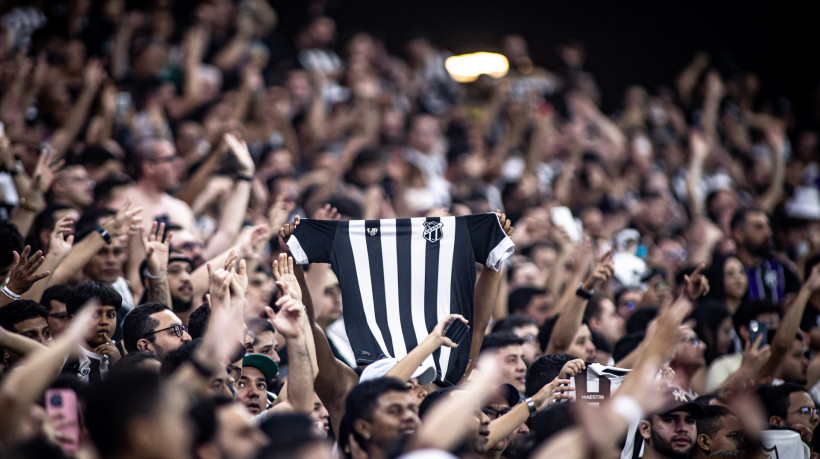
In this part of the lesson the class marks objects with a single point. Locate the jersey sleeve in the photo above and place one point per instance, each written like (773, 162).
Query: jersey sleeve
(312, 241)
(490, 244)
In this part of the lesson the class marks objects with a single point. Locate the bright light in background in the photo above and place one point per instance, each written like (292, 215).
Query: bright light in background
(467, 67)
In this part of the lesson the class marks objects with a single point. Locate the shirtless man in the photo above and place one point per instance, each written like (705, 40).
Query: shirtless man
(156, 166)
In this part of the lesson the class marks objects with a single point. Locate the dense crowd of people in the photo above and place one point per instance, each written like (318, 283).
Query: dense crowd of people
(204, 227)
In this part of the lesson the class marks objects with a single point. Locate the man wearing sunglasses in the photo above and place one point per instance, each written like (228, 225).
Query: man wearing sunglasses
(153, 327)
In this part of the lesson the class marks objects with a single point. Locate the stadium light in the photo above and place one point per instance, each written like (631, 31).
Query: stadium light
(466, 68)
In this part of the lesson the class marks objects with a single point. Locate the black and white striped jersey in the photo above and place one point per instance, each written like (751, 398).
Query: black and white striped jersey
(400, 277)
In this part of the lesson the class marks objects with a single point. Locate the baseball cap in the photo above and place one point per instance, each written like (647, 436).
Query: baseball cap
(425, 372)
(263, 363)
(678, 399)
(510, 393)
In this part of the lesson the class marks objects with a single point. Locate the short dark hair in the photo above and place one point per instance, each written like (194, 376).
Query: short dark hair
(545, 332)
(362, 400)
(104, 188)
(288, 434)
(739, 217)
(115, 402)
(59, 292)
(178, 356)
(776, 398)
(88, 220)
(751, 310)
(11, 240)
(198, 321)
(133, 360)
(544, 370)
(203, 415)
(519, 298)
(258, 325)
(20, 310)
(711, 423)
(510, 323)
(86, 291)
(499, 340)
(639, 320)
(810, 263)
(627, 344)
(594, 308)
(139, 323)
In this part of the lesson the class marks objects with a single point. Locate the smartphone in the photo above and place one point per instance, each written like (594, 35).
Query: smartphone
(757, 329)
(562, 217)
(61, 405)
(456, 330)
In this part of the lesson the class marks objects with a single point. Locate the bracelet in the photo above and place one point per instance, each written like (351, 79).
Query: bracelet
(159, 276)
(531, 406)
(106, 237)
(586, 294)
(627, 408)
(10, 294)
(244, 177)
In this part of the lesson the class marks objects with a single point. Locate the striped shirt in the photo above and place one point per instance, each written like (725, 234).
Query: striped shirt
(399, 278)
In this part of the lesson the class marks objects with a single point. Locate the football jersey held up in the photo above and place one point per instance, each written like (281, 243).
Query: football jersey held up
(400, 277)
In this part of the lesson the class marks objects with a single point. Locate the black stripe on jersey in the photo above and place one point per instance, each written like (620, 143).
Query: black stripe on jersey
(431, 289)
(376, 262)
(461, 300)
(403, 253)
(355, 321)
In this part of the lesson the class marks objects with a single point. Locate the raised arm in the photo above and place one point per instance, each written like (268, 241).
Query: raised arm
(25, 271)
(571, 316)
(123, 221)
(58, 249)
(28, 380)
(157, 245)
(409, 363)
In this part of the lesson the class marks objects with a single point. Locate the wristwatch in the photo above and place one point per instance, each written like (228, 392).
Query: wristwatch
(530, 405)
(586, 294)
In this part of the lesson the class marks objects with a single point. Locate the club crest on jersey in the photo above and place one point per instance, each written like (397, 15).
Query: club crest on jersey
(372, 231)
(432, 231)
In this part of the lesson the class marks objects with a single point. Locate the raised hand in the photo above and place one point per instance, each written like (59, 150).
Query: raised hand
(556, 390)
(506, 224)
(289, 319)
(601, 273)
(283, 274)
(288, 229)
(59, 245)
(572, 368)
(697, 284)
(240, 151)
(438, 331)
(23, 272)
(125, 220)
(157, 245)
(326, 212)
(219, 287)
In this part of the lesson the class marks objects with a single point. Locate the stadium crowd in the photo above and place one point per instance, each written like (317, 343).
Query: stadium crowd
(157, 160)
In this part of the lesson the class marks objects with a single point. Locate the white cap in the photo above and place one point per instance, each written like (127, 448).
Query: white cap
(425, 372)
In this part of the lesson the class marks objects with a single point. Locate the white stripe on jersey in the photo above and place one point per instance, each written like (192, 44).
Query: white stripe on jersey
(387, 228)
(418, 268)
(445, 272)
(362, 261)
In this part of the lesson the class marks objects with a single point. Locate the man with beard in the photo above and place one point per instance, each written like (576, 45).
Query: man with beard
(671, 433)
(769, 278)
(379, 413)
(155, 328)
